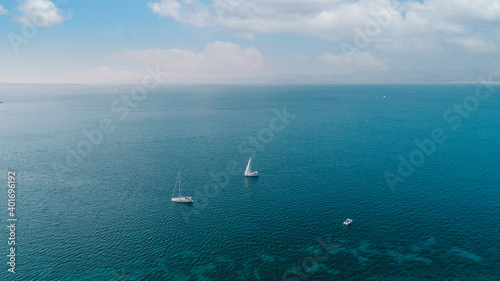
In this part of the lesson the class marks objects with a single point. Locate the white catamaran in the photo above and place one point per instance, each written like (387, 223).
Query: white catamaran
(248, 171)
(180, 199)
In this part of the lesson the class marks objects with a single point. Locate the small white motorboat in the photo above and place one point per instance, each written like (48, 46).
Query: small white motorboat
(347, 222)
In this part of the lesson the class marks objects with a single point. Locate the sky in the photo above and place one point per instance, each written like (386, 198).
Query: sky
(249, 41)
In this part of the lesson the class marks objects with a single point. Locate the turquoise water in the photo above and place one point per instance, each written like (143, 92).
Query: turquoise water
(98, 207)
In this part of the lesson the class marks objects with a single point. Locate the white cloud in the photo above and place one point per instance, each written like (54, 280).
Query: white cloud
(352, 61)
(3, 11)
(102, 74)
(474, 44)
(217, 59)
(192, 13)
(40, 13)
(457, 11)
(392, 23)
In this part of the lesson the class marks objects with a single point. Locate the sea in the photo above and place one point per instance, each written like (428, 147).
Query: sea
(415, 166)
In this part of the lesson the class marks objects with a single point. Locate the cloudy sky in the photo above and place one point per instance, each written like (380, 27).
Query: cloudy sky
(69, 41)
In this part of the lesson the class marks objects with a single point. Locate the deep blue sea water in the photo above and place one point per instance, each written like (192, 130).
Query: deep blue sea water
(102, 210)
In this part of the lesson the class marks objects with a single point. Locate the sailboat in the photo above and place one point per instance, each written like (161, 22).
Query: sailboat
(248, 171)
(180, 199)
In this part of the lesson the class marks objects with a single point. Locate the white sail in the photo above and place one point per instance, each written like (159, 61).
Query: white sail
(248, 171)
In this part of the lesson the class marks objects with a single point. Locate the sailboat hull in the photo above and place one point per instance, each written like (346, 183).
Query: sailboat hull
(254, 174)
(183, 199)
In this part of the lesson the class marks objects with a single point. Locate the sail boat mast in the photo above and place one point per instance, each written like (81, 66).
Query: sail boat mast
(178, 180)
(179, 177)
(180, 199)
(173, 191)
